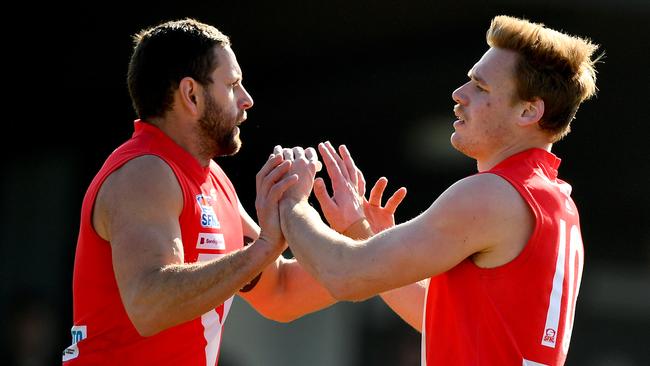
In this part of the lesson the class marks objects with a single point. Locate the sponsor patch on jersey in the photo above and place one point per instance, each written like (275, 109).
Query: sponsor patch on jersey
(549, 337)
(214, 241)
(79, 333)
(208, 217)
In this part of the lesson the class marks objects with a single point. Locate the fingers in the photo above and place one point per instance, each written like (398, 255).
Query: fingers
(377, 192)
(312, 156)
(277, 150)
(320, 191)
(361, 183)
(287, 153)
(276, 191)
(338, 160)
(331, 166)
(273, 177)
(349, 165)
(298, 152)
(395, 200)
(272, 163)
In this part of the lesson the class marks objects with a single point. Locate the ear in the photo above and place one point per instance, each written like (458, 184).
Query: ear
(531, 112)
(189, 95)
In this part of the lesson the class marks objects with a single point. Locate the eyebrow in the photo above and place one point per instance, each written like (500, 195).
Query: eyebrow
(475, 76)
(237, 76)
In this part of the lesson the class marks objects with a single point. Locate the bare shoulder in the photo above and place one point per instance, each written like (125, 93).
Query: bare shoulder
(486, 193)
(487, 212)
(506, 221)
(142, 187)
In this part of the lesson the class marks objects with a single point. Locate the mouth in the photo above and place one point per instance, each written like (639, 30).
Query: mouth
(458, 113)
(241, 119)
(460, 117)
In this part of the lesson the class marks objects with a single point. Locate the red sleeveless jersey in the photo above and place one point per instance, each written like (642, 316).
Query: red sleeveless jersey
(210, 225)
(520, 313)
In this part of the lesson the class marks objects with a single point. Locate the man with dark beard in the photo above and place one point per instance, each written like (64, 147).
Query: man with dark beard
(161, 248)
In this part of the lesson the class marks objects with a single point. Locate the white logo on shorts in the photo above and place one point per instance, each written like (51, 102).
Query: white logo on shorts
(79, 333)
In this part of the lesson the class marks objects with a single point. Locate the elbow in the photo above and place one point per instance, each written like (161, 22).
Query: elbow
(284, 318)
(145, 327)
(279, 314)
(345, 289)
(148, 312)
(143, 320)
(345, 294)
(146, 330)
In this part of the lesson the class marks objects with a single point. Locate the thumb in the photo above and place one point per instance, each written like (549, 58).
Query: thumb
(320, 191)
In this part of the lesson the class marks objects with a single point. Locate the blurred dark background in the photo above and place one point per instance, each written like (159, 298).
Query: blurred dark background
(375, 75)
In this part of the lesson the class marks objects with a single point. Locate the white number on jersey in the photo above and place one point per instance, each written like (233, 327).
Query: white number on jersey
(574, 266)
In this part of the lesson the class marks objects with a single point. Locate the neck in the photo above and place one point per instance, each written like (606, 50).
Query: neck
(491, 161)
(182, 134)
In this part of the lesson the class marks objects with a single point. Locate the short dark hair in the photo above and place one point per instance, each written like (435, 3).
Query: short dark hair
(165, 54)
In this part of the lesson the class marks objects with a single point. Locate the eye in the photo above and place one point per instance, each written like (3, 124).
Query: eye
(480, 88)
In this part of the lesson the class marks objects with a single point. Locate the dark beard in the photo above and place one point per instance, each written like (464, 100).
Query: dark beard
(217, 135)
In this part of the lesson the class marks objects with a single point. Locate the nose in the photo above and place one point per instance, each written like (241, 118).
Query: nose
(245, 100)
(459, 96)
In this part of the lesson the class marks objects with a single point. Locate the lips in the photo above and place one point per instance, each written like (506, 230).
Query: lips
(461, 117)
(458, 114)
(241, 119)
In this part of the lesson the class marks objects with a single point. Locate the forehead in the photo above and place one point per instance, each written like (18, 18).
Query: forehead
(227, 65)
(496, 66)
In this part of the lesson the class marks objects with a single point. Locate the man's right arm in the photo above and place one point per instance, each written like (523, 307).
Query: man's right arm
(137, 210)
(406, 301)
(340, 210)
(482, 217)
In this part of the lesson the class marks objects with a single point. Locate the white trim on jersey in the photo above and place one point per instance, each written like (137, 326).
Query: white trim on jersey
(212, 334)
(423, 346)
(575, 252)
(549, 335)
(532, 363)
(212, 325)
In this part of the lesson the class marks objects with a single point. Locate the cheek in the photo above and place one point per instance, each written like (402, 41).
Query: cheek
(482, 110)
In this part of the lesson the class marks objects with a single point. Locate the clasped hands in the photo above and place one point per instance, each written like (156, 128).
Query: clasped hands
(289, 176)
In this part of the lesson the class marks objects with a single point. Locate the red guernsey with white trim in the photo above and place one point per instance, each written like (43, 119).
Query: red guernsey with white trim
(211, 227)
(520, 313)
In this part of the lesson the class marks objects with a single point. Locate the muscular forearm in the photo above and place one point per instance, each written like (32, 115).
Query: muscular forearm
(287, 291)
(324, 253)
(407, 301)
(349, 269)
(178, 293)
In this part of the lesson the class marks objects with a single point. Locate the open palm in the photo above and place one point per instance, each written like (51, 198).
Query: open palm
(348, 204)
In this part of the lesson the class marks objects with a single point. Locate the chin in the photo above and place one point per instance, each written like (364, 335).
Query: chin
(232, 147)
(457, 144)
(454, 141)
